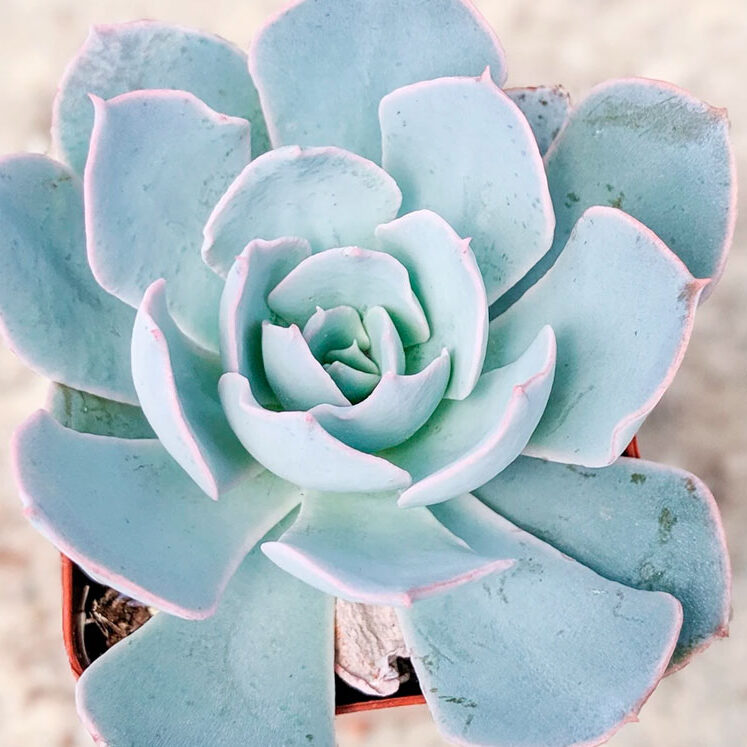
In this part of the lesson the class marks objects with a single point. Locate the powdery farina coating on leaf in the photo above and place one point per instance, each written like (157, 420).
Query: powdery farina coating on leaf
(312, 351)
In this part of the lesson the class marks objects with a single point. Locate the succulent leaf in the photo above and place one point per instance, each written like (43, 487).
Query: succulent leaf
(351, 276)
(656, 152)
(354, 383)
(394, 411)
(119, 58)
(465, 441)
(148, 227)
(243, 306)
(585, 652)
(445, 277)
(87, 413)
(366, 549)
(462, 148)
(53, 314)
(322, 67)
(260, 672)
(636, 522)
(335, 328)
(353, 356)
(295, 447)
(622, 305)
(546, 109)
(157, 537)
(177, 385)
(297, 378)
(386, 349)
(326, 195)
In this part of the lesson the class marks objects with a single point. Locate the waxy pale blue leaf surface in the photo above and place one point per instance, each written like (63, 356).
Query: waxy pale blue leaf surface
(546, 109)
(445, 277)
(350, 276)
(157, 537)
(355, 384)
(260, 672)
(467, 442)
(461, 147)
(386, 348)
(352, 356)
(53, 314)
(397, 407)
(656, 152)
(243, 306)
(622, 306)
(88, 413)
(364, 548)
(119, 58)
(148, 227)
(642, 524)
(177, 385)
(295, 447)
(322, 66)
(326, 195)
(546, 653)
(297, 378)
(337, 327)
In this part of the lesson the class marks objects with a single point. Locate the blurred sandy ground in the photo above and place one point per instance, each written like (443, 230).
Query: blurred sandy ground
(700, 425)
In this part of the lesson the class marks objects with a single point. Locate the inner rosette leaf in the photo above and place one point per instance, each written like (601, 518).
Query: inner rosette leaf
(351, 276)
(297, 378)
(338, 327)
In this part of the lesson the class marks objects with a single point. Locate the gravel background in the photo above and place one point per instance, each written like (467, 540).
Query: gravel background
(700, 424)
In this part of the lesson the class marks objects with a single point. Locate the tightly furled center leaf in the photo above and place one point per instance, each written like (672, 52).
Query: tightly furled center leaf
(338, 329)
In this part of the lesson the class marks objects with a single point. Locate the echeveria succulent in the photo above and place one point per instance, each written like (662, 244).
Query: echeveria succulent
(272, 284)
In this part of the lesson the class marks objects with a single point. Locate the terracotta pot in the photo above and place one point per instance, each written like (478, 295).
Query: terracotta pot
(83, 645)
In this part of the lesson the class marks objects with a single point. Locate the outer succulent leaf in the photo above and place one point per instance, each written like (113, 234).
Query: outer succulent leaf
(658, 153)
(445, 277)
(386, 348)
(149, 226)
(327, 195)
(296, 377)
(639, 523)
(462, 148)
(364, 549)
(88, 413)
(157, 537)
(243, 306)
(545, 107)
(622, 305)
(53, 314)
(350, 276)
(465, 441)
(355, 384)
(295, 447)
(397, 407)
(177, 384)
(260, 672)
(337, 327)
(354, 357)
(322, 67)
(566, 656)
(146, 54)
